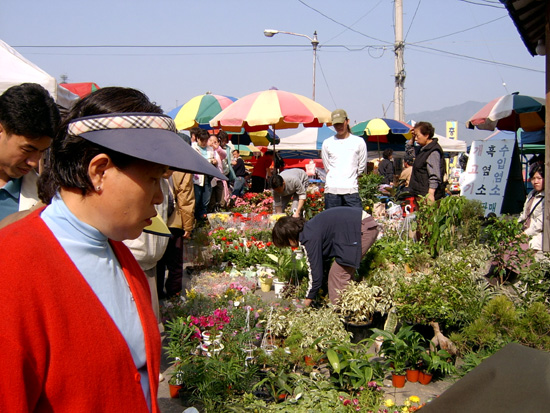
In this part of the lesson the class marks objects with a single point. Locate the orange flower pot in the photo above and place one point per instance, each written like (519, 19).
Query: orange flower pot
(424, 378)
(398, 380)
(174, 390)
(412, 375)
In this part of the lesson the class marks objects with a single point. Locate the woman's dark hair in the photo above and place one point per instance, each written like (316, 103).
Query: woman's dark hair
(425, 128)
(537, 167)
(222, 136)
(287, 229)
(70, 155)
(387, 153)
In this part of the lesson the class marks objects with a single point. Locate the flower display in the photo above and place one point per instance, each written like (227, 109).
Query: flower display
(411, 404)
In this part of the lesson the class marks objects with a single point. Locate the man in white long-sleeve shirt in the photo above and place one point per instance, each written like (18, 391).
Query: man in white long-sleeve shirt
(344, 159)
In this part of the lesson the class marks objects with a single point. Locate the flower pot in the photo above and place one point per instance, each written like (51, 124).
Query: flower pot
(424, 378)
(265, 284)
(174, 390)
(412, 375)
(278, 287)
(398, 380)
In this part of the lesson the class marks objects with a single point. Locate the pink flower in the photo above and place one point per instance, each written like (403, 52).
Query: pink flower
(346, 402)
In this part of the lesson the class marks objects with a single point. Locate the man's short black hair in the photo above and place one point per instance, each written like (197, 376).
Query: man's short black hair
(277, 181)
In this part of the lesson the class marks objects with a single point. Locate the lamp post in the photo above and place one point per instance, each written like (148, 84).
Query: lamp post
(314, 43)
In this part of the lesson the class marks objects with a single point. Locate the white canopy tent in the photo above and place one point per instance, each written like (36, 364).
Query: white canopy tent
(15, 69)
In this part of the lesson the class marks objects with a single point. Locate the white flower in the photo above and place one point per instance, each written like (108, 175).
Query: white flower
(236, 303)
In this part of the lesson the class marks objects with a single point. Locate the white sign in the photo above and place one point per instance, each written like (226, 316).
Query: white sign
(487, 172)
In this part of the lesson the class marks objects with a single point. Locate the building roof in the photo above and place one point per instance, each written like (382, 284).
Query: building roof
(529, 16)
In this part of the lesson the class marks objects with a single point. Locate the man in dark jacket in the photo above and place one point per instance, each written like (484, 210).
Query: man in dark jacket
(342, 233)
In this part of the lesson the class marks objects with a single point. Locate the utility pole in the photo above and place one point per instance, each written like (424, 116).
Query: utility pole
(399, 46)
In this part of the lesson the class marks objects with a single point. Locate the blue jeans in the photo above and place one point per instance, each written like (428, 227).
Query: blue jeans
(202, 198)
(238, 186)
(350, 200)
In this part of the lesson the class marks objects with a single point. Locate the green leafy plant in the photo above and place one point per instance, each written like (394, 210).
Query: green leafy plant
(509, 245)
(438, 362)
(359, 301)
(441, 225)
(287, 264)
(368, 189)
(399, 348)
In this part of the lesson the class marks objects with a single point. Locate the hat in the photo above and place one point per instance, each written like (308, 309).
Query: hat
(158, 227)
(339, 116)
(148, 136)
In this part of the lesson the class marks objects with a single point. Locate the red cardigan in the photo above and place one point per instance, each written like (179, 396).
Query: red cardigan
(60, 349)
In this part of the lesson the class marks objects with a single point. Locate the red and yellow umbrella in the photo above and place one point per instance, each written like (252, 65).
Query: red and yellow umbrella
(275, 108)
(510, 112)
(200, 110)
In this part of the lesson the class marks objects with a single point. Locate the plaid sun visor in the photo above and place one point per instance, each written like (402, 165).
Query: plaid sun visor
(118, 121)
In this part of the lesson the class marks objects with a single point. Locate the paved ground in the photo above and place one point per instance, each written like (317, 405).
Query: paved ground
(424, 392)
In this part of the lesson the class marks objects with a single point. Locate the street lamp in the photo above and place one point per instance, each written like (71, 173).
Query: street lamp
(314, 43)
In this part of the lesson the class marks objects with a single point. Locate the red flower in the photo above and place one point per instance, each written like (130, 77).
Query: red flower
(236, 247)
(224, 238)
(269, 243)
(241, 244)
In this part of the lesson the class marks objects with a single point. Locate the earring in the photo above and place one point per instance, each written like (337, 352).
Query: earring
(98, 188)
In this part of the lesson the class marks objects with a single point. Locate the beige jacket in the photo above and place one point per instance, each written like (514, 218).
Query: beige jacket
(184, 195)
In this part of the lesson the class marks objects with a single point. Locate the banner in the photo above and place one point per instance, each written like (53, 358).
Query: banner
(487, 173)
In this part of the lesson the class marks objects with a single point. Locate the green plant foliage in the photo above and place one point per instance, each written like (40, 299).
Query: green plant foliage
(368, 189)
(449, 223)
(359, 301)
(314, 327)
(501, 322)
(505, 238)
(288, 264)
(402, 349)
(450, 292)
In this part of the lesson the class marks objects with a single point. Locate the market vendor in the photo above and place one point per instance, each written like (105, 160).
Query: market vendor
(342, 233)
(290, 185)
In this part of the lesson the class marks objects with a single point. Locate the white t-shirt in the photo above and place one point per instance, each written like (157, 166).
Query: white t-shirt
(344, 160)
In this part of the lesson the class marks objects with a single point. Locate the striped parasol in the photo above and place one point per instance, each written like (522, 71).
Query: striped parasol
(200, 110)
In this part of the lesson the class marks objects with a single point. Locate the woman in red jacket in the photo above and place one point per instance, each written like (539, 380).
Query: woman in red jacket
(77, 332)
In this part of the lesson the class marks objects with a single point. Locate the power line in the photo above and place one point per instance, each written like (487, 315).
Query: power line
(460, 31)
(477, 58)
(496, 4)
(341, 24)
(410, 25)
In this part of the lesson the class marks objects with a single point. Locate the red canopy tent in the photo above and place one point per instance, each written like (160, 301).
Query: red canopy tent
(81, 89)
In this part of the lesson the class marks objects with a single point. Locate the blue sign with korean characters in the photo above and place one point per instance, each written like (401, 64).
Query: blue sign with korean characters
(487, 175)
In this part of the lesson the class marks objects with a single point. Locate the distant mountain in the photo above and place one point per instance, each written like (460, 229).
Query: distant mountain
(459, 113)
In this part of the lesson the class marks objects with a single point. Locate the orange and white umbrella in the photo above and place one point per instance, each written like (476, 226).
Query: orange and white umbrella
(276, 108)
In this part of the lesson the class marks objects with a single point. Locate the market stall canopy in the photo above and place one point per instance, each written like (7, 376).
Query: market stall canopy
(451, 145)
(271, 108)
(15, 69)
(81, 89)
(304, 144)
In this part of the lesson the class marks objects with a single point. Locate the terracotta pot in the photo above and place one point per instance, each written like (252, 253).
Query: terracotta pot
(412, 375)
(424, 378)
(174, 390)
(398, 380)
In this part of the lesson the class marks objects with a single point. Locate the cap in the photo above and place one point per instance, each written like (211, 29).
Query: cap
(339, 116)
(148, 136)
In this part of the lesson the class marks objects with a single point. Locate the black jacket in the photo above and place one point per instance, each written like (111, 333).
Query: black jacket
(420, 180)
(334, 233)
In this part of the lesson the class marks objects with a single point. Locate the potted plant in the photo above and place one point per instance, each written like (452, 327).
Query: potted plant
(435, 362)
(360, 300)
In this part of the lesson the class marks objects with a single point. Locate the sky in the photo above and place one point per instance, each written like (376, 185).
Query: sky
(455, 50)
